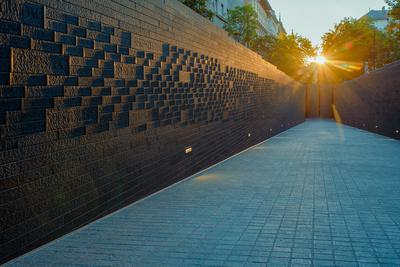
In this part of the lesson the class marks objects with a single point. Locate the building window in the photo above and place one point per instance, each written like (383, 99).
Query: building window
(222, 9)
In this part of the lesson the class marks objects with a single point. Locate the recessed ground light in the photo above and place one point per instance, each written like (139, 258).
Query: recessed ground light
(270, 130)
(397, 131)
(376, 126)
(188, 150)
(363, 124)
(249, 134)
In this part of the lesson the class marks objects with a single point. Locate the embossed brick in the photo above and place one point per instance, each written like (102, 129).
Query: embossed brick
(57, 26)
(77, 91)
(10, 27)
(103, 72)
(113, 57)
(129, 60)
(65, 39)
(10, 9)
(38, 33)
(44, 91)
(30, 61)
(108, 30)
(25, 116)
(114, 82)
(89, 81)
(98, 36)
(91, 25)
(112, 48)
(62, 80)
(81, 71)
(37, 103)
(61, 119)
(87, 43)
(48, 47)
(101, 91)
(15, 41)
(32, 14)
(72, 50)
(28, 79)
(141, 71)
(57, 15)
(94, 54)
(77, 31)
(123, 50)
(122, 70)
(86, 62)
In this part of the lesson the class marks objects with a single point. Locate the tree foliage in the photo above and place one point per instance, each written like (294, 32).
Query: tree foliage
(241, 24)
(287, 52)
(394, 27)
(354, 43)
(394, 9)
(200, 6)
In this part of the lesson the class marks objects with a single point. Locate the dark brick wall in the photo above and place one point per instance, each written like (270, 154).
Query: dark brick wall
(99, 100)
(371, 102)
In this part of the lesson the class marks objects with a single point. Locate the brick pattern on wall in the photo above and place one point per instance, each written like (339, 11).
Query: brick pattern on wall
(371, 102)
(99, 100)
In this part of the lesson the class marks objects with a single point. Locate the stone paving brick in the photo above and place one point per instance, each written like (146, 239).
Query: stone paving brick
(319, 194)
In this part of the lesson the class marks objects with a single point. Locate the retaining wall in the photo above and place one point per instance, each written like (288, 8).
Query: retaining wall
(371, 102)
(104, 102)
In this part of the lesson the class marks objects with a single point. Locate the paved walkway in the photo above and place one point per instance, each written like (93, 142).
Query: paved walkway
(319, 194)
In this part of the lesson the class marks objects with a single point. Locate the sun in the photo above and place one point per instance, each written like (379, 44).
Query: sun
(320, 60)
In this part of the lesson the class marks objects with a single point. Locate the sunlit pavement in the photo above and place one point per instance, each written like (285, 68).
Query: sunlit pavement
(319, 194)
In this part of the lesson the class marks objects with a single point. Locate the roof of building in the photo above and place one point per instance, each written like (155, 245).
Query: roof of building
(378, 14)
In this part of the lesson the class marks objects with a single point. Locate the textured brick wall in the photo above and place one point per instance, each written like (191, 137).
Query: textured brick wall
(371, 102)
(99, 100)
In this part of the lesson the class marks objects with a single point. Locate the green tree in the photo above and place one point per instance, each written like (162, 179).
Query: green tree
(352, 44)
(393, 28)
(264, 45)
(394, 10)
(287, 52)
(241, 24)
(200, 6)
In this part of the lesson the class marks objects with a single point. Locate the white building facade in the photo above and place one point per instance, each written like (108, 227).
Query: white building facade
(268, 23)
(379, 18)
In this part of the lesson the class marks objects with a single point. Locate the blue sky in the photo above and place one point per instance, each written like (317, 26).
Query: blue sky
(312, 18)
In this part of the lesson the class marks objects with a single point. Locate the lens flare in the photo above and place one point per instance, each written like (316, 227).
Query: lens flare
(320, 60)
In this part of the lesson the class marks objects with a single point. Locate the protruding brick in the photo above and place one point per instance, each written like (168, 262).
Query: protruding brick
(28, 79)
(32, 14)
(57, 15)
(65, 39)
(48, 47)
(57, 26)
(10, 27)
(10, 10)
(87, 43)
(38, 33)
(30, 61)
(77, 31)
